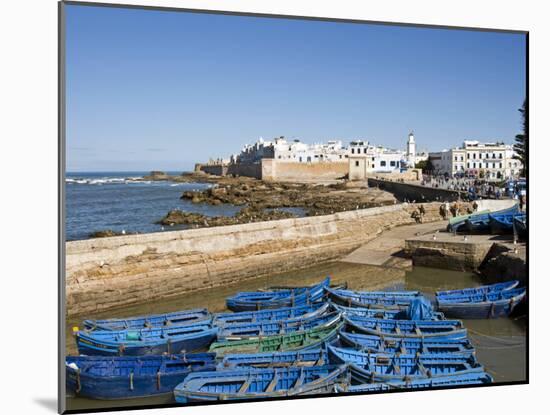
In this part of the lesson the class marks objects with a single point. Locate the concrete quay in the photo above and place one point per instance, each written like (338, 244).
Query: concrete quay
(496, 257)
(387, 249)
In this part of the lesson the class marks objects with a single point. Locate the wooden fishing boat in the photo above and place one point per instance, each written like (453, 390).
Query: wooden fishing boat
(380, 313)
(502, 224)
(259, 383)
(458, 223)
(363, 299)
(171, 340)
(299, 340)
(477, 378)
(520, 225)
(484, 289)
(480, 222)
(406, 328)
(259, 300)
(310, 357)
(369, 368)
(177, 318)
(244, 331)
(114, 377)
(221, 319)
(404, 345)
(478, 306)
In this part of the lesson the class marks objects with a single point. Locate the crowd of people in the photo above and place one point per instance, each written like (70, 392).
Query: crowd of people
(475, 187)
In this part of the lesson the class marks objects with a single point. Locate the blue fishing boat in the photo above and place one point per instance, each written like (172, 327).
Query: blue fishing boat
(259, 300)
(177, 318)
(404, 345)
(458, 223)
(484, 289)
(400, 300)
(381, 313)
(406, 328)
(171, 340)
(369, 368)
(254, 330)
(240, 384)
(520, 225)
(102, 377)
(477, 378)
(277, 314)
(480, 222)
(478, 306)
(310, 357)
(502, 224)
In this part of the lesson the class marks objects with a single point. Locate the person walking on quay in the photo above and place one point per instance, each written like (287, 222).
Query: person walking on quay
(475, 206)
(422, 212)
(443, 211)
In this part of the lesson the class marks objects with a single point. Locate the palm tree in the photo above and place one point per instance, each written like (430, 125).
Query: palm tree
(521, 145)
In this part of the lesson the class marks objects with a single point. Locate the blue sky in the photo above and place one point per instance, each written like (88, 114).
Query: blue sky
(163, 90)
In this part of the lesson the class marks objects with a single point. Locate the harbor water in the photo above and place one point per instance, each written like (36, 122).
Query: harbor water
(500, 343)
(121, 201)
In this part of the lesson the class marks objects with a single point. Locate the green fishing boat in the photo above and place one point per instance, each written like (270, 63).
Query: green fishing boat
(280, 343)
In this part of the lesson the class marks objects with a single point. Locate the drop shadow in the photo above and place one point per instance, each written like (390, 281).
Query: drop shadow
(48, 403)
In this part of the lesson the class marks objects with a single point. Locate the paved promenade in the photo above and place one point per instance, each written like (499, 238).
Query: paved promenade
(385, 250)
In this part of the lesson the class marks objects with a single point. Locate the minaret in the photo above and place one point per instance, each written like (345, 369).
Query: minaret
(411, 149)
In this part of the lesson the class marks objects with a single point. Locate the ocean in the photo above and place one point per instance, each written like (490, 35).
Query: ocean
(117, 201)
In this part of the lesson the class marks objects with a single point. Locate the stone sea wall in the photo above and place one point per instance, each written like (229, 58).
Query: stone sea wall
(415, 192)
(118, 271)
(287, 171)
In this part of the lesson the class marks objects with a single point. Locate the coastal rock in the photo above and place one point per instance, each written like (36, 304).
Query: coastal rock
(104, 233)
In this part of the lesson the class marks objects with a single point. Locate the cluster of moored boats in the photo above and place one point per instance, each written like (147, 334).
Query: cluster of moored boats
(505, 221)
(289, 342)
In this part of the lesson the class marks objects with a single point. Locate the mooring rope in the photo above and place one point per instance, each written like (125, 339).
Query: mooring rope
(495, 339)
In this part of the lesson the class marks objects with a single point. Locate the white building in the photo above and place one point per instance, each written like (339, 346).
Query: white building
(379, 159)
(492, 161)
(294, 151)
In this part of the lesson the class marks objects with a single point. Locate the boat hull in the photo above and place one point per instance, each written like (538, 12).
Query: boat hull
(306, 340)
(376, 344)
(260, 383)
(441, 382)
(178, 318)
(128, 385)
(490, 308)
(92, 346)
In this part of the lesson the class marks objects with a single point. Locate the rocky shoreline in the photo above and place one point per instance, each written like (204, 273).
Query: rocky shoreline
(263, 200)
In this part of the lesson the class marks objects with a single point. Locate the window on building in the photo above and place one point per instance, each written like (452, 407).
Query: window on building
(494, 156)
(474, 155)
(383, 163)
(356, 163)
(365, 150)
(461, 158)
(392, 163)
(500, 156)
(500, 165)
(456, 158)
(352, 151)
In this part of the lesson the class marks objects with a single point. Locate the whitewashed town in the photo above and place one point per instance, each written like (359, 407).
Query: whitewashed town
(488, 161)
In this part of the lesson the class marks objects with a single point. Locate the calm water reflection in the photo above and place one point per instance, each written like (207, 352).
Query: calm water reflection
(500, 343)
